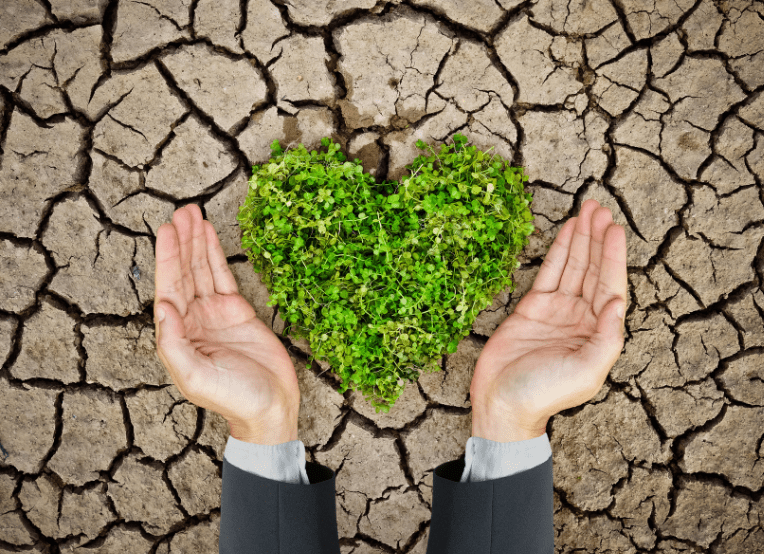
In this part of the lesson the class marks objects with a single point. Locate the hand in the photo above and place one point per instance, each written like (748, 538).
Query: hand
(555, 350)
(217, 352)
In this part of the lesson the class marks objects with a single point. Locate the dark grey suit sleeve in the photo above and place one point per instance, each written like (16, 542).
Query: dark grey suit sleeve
(262, 516)
(493, 515)
(510, 515)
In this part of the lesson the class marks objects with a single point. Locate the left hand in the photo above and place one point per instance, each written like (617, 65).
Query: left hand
(218, 353)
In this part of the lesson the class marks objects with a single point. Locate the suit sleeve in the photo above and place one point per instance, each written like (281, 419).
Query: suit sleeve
(501, 503)
(267, 509)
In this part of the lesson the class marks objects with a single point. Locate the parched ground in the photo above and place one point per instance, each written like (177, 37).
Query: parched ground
(113, 113)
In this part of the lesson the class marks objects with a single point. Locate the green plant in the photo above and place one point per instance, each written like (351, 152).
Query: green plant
(383, 278)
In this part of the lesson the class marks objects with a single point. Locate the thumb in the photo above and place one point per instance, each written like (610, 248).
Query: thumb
(168, 323)
(603, 348)
(173, 347)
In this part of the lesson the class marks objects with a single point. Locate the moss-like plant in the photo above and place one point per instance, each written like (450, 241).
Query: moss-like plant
(383, 278)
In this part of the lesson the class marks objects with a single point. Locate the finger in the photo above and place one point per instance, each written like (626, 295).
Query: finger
(548, 278)
(168, 281)
(184, 227)
(601, 219)
(613, 280)
(200, 266)
(572, 280)
(221, 273)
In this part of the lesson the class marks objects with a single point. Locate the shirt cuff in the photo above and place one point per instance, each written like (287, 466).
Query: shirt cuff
(283, 462)
(486, 459)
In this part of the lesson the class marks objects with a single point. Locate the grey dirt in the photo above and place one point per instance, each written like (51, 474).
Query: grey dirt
(113, 113)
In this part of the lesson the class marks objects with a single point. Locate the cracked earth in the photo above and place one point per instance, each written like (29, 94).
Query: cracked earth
(114, 113)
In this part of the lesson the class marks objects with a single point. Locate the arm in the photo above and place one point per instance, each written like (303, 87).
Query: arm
(512, 514)
(263, 514)
(553, 353)
(251, 472)
(223, 358)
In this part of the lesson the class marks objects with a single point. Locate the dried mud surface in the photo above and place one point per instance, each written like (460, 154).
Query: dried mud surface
(114, 113)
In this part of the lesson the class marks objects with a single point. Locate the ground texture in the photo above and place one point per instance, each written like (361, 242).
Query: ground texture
(113, 113)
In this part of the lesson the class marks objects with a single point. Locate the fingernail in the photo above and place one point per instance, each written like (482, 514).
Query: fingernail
(619, 310)
(160, 314)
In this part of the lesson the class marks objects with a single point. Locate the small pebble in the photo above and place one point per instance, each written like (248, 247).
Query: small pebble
(299, 77)
(136, 273)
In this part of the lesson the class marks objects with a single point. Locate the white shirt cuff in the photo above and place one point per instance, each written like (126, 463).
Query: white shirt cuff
(486, 459)
(483, 459)
(283, 462)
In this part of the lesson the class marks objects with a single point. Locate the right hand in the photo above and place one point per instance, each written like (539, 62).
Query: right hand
(555, 350)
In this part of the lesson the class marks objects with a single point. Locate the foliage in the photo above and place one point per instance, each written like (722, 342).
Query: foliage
(384, 278)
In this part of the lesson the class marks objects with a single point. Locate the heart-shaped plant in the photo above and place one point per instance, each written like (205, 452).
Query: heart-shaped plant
(384, 278)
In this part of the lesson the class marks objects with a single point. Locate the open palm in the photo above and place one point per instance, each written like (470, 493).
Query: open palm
(555, 350)
(218, 353)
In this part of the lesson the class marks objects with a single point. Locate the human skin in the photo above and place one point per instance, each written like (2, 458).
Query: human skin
(554, 352)
(218, 353)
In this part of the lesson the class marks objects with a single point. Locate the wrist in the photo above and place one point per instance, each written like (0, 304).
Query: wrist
(262, 436)
(273, 431)
(503, 426)
(501, 431)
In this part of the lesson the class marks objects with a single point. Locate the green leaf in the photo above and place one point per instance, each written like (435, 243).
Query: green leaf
(383, 278)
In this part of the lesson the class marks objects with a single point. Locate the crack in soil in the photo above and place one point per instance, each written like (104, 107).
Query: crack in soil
(11, 101)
